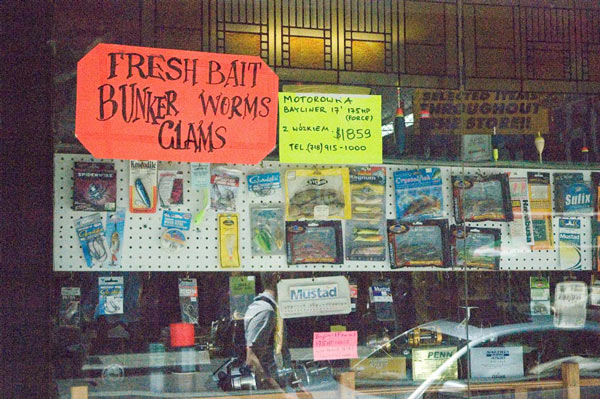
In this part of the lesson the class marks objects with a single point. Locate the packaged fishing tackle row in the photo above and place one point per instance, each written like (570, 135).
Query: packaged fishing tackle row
(482, 198)
(365, 232)
(319, 194)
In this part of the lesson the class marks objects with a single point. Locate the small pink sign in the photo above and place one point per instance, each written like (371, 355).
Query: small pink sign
(335, 345)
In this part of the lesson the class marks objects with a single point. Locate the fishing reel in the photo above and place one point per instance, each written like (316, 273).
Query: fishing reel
(419, 337)
(233, 376)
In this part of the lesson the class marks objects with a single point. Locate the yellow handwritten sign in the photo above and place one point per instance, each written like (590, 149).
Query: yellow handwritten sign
(329, 128)
(479, 112)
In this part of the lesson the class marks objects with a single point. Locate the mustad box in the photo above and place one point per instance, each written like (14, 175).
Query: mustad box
(310, 297)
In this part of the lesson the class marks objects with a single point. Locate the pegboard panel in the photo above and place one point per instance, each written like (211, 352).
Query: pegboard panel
(142, 248)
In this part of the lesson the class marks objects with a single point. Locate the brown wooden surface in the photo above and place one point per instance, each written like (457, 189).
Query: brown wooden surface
(570, 380)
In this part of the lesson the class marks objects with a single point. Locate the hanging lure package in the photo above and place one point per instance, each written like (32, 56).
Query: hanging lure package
(229, 240)
(520, 229)
(200, 177)
(380, 297)
(418, 194)
(69, 312)
(475, 247)
(95, 186)
(241, 295)
(264, 183)
(365, 232)
(314, 242)
(110, 295)
(90, 231)
(480, 198)
(114, 234)
(176, 224)
(419, 243)
(143, 190)
(540, 199)
(225, 184)
(267, 227)
(317, 194)
(188, 300)
(569, 243)
(170, 187)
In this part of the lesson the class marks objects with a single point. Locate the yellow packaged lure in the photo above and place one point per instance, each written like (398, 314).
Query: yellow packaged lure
(229, 254)
(321, 194)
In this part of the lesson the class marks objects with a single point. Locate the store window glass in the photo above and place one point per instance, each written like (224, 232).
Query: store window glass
(465, 265)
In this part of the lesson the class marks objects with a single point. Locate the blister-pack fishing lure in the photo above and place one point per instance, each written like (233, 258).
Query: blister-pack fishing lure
(572, 194)
(314, 242)
(419, 243)
(321, 194)
(418, 194)
(229, 240)
(480, 198)
(225, 184)
(95, 186)
(115, 229)
(267, 228)
(475, 247)
(143, 189)
(365, 232)
(91, 237)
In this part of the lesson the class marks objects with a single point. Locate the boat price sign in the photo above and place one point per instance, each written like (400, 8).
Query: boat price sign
(329, 128)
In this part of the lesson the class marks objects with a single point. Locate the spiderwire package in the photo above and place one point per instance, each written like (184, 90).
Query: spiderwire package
(480, 198)
(419, 243)
(314, 242)
(95, 186)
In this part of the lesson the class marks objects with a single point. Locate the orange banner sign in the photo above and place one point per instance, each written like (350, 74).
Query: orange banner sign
(175, 105)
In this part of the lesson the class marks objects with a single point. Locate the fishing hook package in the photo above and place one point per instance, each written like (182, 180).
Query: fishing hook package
(267, 226)
(365, 232)
(418, 194)
(481, 198)
(225, 184)
(69, 312)
(188, 300)
(317, 194)
(314, 242)
(419, 243)
(110, 295)
(90, 231)
(143, 190)
(95, 186)
(475, 247)
(540, 200)
(264, 183)
(170, 187)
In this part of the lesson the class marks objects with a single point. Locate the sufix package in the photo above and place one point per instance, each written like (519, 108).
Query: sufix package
(475, 247)
(540, 199)
(317, 194)
(418, 194)
(365, 233)
(267, 226)
(573, 195)
(479, 198)
(95, 186)
(418, 243)
(314, 242)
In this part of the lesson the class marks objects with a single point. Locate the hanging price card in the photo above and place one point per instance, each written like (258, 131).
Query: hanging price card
(329, 128)
(335, 345)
